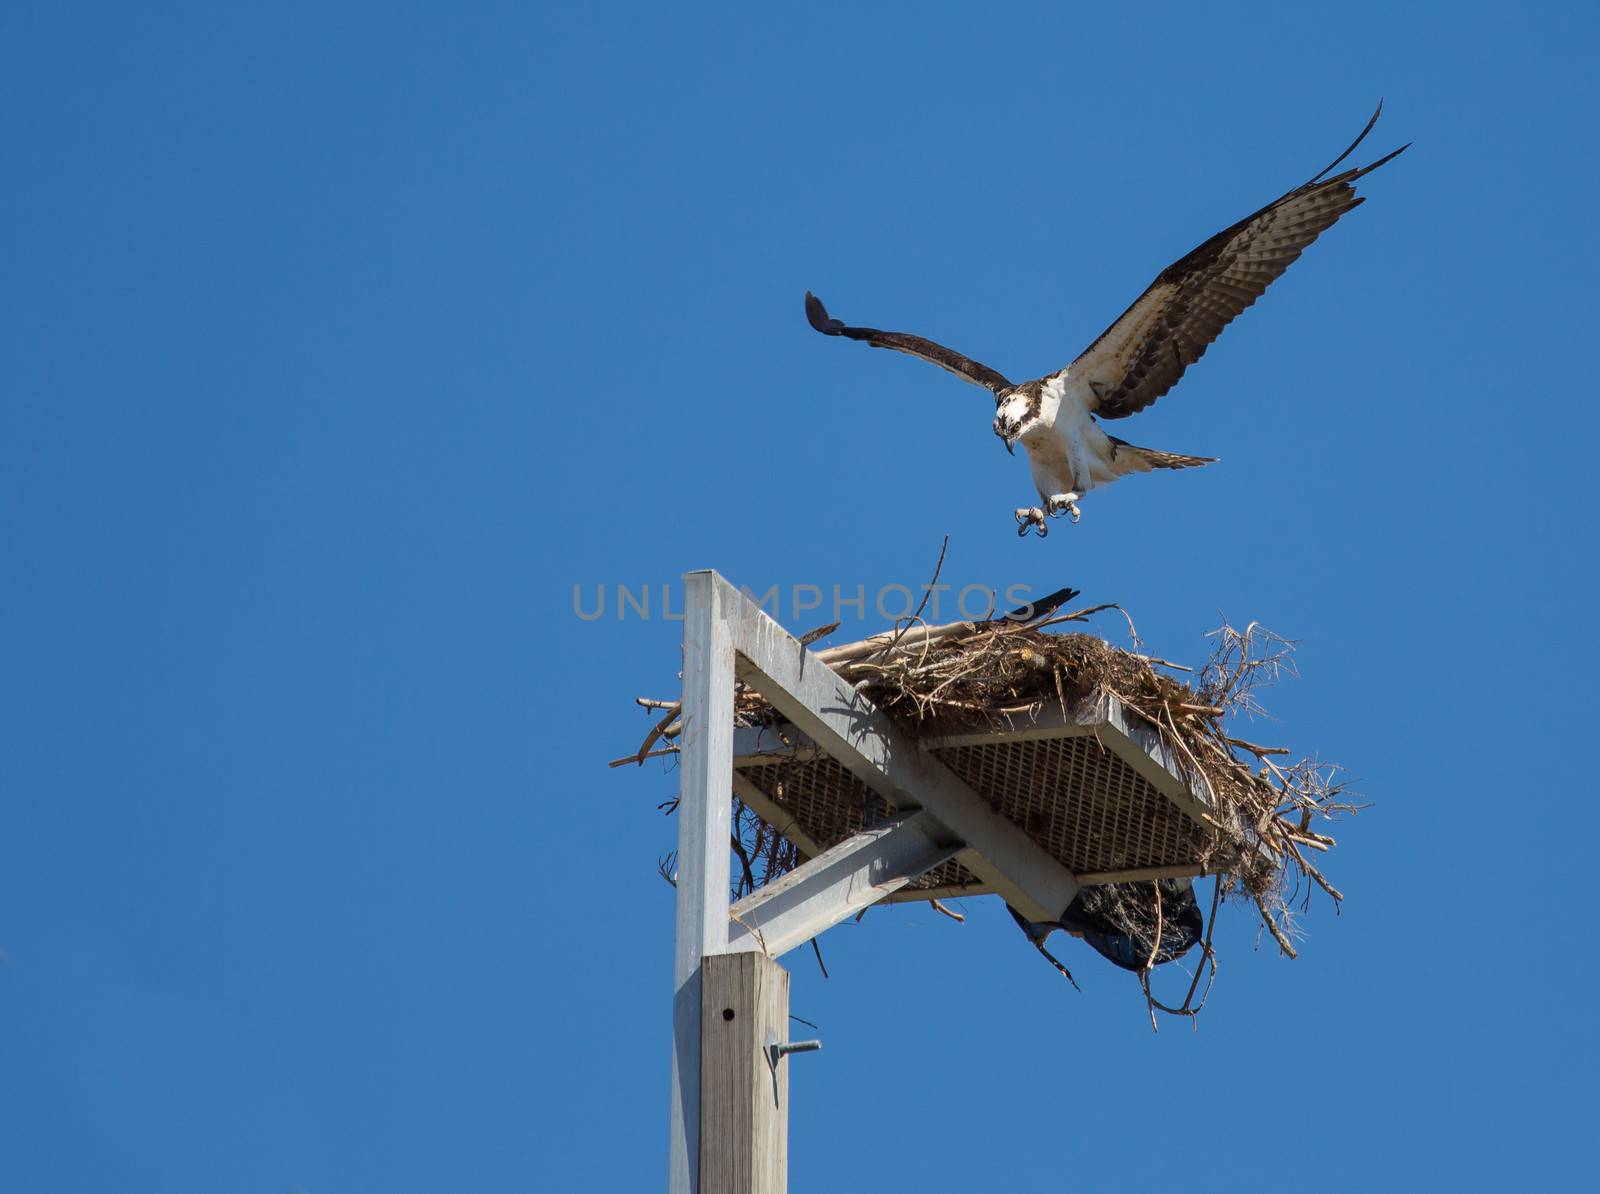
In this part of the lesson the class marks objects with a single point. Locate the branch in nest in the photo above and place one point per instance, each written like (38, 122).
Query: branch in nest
(916, 615)
(664, 726)
(1316, 875)
(1166, 663)
(1272, 927)
(1079, 615)
(654, 754)
(911, 638)
(812, 636)
(1260, 752)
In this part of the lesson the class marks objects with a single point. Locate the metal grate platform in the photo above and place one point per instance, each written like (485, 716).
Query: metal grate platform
(1095, 791)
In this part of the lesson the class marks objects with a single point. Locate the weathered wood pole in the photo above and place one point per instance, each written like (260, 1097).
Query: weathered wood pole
(744, 1080)
(704, 825)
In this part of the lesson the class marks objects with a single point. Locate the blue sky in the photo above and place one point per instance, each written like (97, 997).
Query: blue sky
(339, 342)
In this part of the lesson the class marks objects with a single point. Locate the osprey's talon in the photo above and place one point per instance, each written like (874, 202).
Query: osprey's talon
(1031, 518)
(1064, 503)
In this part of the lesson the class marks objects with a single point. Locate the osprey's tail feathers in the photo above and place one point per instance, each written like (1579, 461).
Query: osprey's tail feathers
(1132, 459)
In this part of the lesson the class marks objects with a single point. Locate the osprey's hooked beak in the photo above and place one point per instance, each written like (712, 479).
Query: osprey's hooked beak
(1008, 429)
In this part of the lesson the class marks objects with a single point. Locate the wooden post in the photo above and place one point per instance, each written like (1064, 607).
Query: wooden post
(744, 1085)
(705, 813)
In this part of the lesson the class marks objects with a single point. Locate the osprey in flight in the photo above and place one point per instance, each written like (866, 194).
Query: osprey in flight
(1143, 354)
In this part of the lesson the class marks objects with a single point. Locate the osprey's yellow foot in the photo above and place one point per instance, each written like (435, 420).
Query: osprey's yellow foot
(1031, 518)
(1063, 503)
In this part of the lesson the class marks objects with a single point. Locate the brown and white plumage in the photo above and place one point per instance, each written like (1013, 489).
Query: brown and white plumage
(1169, 327)
(1146, 349)
(935, 354)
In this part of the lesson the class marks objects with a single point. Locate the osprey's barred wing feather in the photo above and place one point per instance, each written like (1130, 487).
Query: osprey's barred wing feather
(938, 354)
(1169, 327)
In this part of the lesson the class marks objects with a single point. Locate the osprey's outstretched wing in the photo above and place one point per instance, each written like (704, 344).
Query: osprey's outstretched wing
(938, 354)
(1169, 327)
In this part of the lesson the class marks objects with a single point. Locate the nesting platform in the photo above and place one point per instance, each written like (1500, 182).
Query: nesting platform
(1003, 763)
(1032, 774)
(1099, 792)
(965, 759)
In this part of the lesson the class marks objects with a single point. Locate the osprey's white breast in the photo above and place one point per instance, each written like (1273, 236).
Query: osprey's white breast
(1067, 451)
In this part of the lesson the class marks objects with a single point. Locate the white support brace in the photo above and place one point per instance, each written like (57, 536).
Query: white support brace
(837, 884)
(870, 746)
(704, 823)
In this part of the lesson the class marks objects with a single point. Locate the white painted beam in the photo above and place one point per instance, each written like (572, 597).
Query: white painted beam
(776, 815)
(1048, 723)
(839, 883)
(1140, 745)
(705, 763)
(752, 744)
(1182, 870)
(911, 895)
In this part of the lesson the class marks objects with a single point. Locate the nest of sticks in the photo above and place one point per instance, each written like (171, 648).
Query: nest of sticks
(999, 672)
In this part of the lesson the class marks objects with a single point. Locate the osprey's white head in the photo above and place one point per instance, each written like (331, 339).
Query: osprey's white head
(1016, 413)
